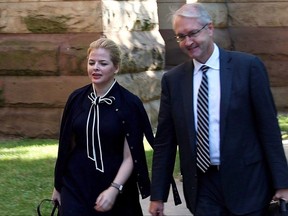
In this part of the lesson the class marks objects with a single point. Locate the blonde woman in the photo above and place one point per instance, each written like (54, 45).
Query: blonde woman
(101, 158)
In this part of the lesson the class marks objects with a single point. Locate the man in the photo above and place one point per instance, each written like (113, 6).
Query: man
(246, 165)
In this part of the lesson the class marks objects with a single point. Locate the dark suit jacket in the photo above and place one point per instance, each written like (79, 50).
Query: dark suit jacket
(252, 158)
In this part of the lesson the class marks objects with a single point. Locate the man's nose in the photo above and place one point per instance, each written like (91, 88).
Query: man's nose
(188, 40)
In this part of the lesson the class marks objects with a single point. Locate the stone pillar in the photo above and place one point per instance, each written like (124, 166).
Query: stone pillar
(43, 47)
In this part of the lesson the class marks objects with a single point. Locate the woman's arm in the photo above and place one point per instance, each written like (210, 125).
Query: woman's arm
(126, 167)
(106, 199)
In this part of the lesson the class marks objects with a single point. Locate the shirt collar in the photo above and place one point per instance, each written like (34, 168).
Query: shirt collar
(212, 62)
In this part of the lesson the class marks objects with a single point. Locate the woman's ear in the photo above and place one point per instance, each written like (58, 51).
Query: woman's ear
(117, 70)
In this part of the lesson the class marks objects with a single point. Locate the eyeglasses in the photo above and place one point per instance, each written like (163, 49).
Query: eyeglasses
(179, 38)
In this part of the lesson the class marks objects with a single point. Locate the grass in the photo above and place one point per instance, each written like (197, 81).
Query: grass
(283, 122)
(27, 167)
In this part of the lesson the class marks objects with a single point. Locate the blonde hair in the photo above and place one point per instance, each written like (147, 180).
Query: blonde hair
(109, 45)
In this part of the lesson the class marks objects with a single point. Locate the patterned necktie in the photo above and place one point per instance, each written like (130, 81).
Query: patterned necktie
(203, 156)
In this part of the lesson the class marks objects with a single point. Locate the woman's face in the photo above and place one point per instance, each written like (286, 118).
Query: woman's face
(101, 69)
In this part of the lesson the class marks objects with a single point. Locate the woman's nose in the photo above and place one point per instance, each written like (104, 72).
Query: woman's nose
(96, 66)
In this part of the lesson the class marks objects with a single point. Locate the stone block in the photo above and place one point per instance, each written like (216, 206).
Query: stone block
(30, 122)
(280, 98)
(229, 1)
(219, 14)
(249, 1)
(240, 14)
(51, 17)
(172, 1)
(2, 100)
(142, 50)
(54, 91)
(265, 40)
(270, 44)
(145, 85)
(21, 55)
(173, 54)
(130, 15)
(66, 54)
(152, 109)
(73, 53)
(44, 54)
(277, 70)
(165, 12)
(40, 91)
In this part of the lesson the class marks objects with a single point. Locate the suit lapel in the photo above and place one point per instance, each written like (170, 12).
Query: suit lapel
(226, 76)
(186, 92)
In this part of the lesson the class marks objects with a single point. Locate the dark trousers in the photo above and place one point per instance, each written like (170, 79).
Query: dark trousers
(210, 200)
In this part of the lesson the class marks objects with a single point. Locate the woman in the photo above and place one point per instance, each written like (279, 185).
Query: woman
(101, 157)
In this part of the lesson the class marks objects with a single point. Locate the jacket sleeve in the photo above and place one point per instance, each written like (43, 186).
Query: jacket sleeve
(267, 124)
(65, 140)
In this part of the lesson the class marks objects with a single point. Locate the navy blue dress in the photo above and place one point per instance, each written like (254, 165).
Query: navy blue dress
(85, 179)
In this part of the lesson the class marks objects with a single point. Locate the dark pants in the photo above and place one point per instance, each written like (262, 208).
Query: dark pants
(210, 200)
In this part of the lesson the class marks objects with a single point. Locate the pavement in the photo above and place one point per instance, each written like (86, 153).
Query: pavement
(169, 207)
(181, 210)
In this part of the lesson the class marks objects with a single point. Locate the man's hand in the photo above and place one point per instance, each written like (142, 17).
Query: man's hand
(281, 194)
(156, 208)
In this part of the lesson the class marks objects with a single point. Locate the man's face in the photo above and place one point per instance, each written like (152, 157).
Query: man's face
(194, 38)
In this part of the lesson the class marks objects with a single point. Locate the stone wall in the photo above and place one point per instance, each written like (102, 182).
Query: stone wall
(261, 28)
(43, 57)
(43, 51)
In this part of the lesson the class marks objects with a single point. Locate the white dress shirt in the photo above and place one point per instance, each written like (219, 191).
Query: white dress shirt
(213, 74)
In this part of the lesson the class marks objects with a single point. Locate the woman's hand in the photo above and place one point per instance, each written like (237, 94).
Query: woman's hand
(56, 196)
(106, 199)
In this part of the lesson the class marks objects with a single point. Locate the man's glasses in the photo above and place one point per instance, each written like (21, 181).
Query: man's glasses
(179, 38)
